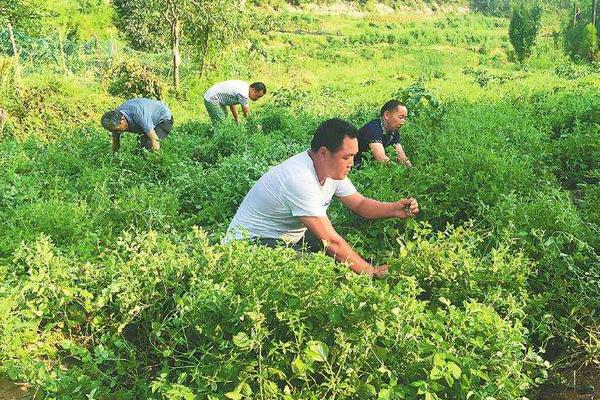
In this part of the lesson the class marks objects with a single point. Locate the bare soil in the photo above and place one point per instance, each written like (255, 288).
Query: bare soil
(13, 391)
(575, 384)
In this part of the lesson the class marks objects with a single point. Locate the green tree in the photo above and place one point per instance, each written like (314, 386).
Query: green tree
(524, 26)
(581, 32)
(197, 24)
(589, 42)
(498, 8)
(23, 15)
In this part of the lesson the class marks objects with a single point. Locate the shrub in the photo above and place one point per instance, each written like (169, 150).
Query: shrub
(524, 26)
(129, 79)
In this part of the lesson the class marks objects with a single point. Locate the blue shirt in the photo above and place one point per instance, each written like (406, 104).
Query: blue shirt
(374, 132)
(143, 115)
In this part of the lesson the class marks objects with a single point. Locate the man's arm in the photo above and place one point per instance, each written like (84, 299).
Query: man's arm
(116, 141)
(378, 152)
(338, 248)
(234, 112)
(373, 209)
(401, 156)
(153, 139)
(245, 110)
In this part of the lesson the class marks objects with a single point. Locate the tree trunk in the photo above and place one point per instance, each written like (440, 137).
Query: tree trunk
(15, 54)
(204, 51)
(63, 59)
(175, 49)
(594, 5)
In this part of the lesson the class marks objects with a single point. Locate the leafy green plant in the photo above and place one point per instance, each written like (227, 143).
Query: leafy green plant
(129, 79)
(524, 26)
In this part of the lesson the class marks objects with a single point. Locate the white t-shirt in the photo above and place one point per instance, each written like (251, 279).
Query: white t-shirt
(288, 191)
(228, 93)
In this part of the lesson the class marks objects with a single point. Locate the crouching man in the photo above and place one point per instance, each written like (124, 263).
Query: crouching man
(288, 204)
(150, 119)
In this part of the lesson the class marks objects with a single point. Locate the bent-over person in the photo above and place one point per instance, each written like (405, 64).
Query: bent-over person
(288, 204)
(152, 120)
(229, 94)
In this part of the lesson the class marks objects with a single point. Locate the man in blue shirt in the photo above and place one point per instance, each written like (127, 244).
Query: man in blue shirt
(151, 119)
(382, 132)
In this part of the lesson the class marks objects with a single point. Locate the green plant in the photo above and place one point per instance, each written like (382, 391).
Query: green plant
(524, 26)
(129, 79)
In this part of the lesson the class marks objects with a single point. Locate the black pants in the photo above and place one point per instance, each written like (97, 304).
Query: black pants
(309, 243)
(162, 130)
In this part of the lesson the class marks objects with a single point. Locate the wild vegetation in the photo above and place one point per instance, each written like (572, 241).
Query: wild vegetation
(113, 283)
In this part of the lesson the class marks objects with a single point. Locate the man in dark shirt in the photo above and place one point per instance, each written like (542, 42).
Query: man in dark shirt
(382, 132)
(151, 119)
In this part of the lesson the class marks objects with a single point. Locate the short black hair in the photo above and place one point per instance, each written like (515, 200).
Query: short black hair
(331, 134)
(259, 87)
(390, 106)
(111, 119)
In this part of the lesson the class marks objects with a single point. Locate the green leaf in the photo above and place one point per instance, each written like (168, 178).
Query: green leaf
(233, 395)
(454, 369)
(242, 341)
(317, 351)
(366, 391)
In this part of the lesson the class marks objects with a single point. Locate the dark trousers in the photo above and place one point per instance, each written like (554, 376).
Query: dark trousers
(309, 243)
(162, 130)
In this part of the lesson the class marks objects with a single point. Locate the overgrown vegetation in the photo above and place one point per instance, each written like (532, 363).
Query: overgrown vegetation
(114, 284)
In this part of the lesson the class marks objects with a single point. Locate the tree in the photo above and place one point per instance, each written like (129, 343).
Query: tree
(19, 14)
(154, 24)
(498, 8)
(589, 42)
(581, 33)
(524, 26)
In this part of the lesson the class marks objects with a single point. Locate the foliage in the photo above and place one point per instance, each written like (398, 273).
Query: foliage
(524, 26)
(129, 79)
(498, 8)
(22, 14)
(581, 36)
(109, 289)
(210, 312)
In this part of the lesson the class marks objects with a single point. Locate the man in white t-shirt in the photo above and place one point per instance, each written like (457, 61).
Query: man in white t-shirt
(229, 94)
(293, 197)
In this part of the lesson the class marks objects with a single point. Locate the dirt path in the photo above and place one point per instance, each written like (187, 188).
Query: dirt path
(580, 384)
(13, 391)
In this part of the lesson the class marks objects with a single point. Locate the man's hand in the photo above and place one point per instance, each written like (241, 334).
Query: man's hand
(378, 272)
(404, 160)
(234, 113)
(407, 207)
(154, 143)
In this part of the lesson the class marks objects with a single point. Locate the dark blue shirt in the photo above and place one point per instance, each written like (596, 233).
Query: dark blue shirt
(143, 115)
(373, 132)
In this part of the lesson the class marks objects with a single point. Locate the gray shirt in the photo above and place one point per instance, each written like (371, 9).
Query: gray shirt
(143, 115)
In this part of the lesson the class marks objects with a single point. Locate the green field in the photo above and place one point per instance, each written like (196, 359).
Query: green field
(113, 284)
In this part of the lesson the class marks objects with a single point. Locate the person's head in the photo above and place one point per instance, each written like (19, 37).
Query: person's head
(114, 121)
(393, 114)
(334, 146)
(257, 90)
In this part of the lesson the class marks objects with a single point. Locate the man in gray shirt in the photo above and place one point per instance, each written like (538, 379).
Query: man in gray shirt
(229, 94)
(151, 119)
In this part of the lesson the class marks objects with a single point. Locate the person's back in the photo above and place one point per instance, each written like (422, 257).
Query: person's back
(150, 119)
(144, 114)
(229, 94)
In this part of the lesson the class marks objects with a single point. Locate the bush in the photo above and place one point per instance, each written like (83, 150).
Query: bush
(129, 79)
(524, 26)
(235, 321)
(498, 8)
